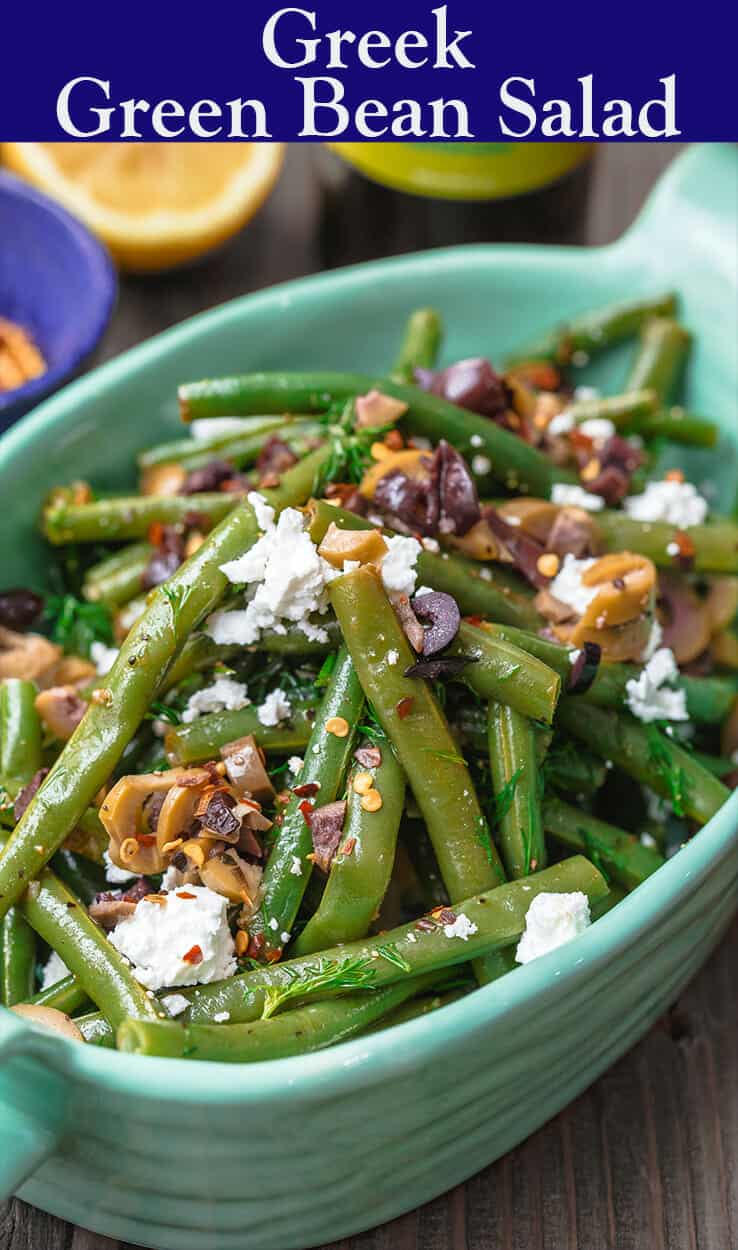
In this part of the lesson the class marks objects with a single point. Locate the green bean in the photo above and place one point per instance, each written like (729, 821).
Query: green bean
(573, 769)
(415, 1008)
(242, 444)
(615, 852)
(326, 759)
(96, 1030)
(660, 358)
(416, 842)
(202, 739)
(91, 754)
(296, 1032)
(647, 754)
(513, 460)
(496, 921)
(479, 589)
(360, 873)
(507, 673)
(715, 544)
(117, 579)
(709, 699)
(66, 995)
(128, 516)
(625, 411)
(679, 426)
(420, 345)
(60, 919)
(418, 731)
(514, 764)
(20, 734)
(17, 958)
(592, 332)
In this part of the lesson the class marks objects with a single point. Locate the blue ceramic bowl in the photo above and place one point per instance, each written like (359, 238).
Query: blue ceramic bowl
(293, 1153)
(57, 281)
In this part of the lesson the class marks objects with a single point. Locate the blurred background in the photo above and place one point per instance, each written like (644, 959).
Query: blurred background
(254, 214)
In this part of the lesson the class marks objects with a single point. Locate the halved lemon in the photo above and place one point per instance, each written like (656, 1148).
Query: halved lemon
(154, 204)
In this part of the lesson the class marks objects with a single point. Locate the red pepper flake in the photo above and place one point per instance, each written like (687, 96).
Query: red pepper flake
(425, 925)
(155, 533)
(256, 946)
(578, 439)
(405, 706)
(193, 955)
(347, 847)
(306, 791)
(146, 839)
(307, 809)
(445, 916)
(274, 955)
(474, 620)
(185, 894)
(686, 553)
(394, 440)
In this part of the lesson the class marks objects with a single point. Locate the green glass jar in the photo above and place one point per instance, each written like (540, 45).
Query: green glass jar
(379, 199)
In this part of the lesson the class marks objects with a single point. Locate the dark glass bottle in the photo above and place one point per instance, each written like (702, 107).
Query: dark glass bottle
(380, 199)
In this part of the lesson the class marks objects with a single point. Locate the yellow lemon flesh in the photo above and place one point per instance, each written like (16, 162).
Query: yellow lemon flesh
(155, 205)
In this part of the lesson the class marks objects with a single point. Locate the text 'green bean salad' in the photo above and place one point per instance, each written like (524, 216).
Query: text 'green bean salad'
(378, 687)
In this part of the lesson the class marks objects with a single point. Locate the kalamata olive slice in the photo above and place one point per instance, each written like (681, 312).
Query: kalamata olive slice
(584, 669)
(471, 384)
(19, 608)
(440, 666)
(441, 613)
(459, 504)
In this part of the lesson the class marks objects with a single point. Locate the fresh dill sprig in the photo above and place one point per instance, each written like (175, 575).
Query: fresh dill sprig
(390, 952)
(504, 800)
(162, 711)
(370, 726)
(671, 773)
(74, 625)
(326, 669)
(448, 756)
(330, 975)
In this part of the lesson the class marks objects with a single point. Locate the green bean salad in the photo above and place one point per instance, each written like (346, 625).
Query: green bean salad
(378, 688)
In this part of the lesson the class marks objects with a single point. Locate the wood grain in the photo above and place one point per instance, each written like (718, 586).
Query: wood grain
(647, 1159)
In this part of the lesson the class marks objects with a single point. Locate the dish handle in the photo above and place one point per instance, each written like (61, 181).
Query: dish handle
(31, 1101)
(690, 214)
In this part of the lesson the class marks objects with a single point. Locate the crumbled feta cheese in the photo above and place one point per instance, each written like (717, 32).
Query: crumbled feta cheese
(263, 511)
(175, 1003)
(654, 641)
(398, 566)
(552, 920)
(214, 427)
(221, 1017)
(672, 549)
(296, 866)
(274, 924)
(575, 497)
(103, 657)
(462, 927)
(295, 763)
(649, 697)
(430, 544)
(567, 585)
(284, 938)
(225, 694)
(275, 708)
(158, 935)
(113, 874)
(288, 582)
(562, 423)
(599, 429)
(485, 573)
(392, 657)
(670, 500)
(53, 970)
(423, 590)
(172, 878)
(481, 465)
(582, 394)
(648, 840)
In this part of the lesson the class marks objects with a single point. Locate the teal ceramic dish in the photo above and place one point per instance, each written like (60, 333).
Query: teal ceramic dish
(301, 1151)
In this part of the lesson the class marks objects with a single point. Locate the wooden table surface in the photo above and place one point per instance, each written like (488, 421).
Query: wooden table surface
(647, 1159)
